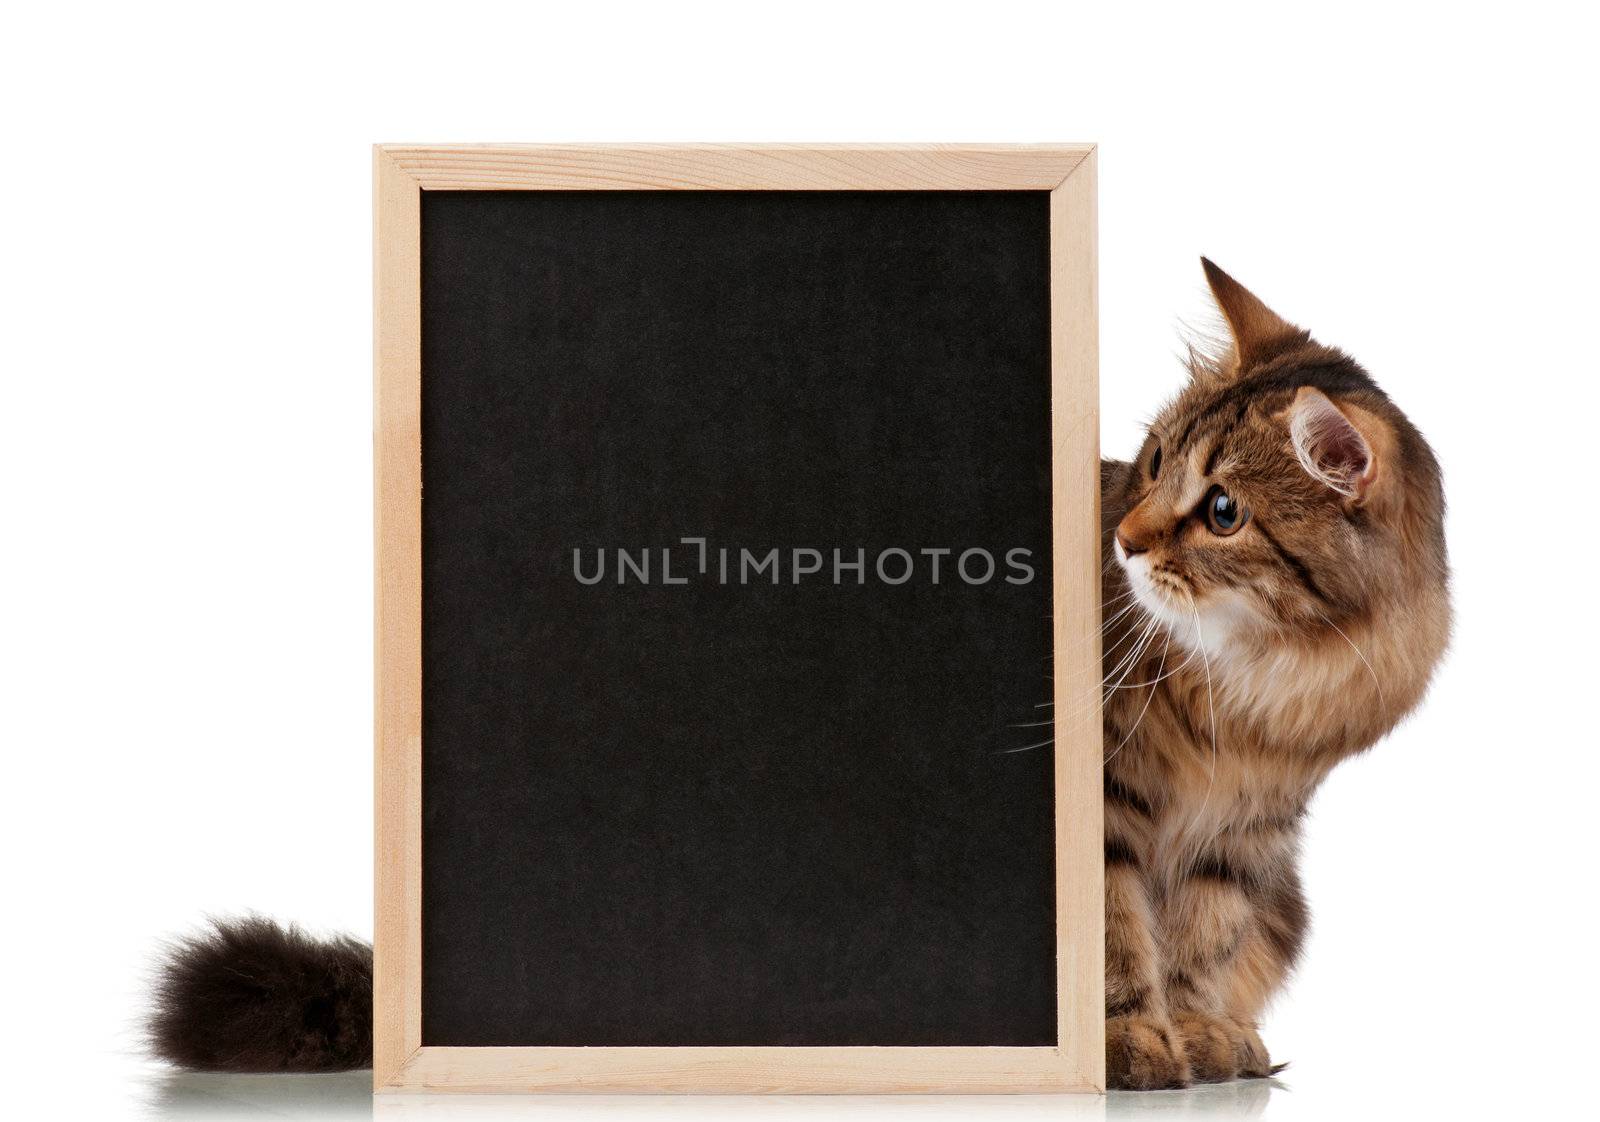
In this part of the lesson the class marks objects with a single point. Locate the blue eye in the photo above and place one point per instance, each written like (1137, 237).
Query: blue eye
(1223, 514)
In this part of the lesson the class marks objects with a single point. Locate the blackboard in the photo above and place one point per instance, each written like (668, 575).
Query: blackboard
(736, 657)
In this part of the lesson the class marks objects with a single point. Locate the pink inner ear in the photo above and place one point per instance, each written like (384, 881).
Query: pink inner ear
(1344, 449)
(1328, 445)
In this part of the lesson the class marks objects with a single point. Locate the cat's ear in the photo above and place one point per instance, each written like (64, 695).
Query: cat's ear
(1330, 446)
(1258, 332)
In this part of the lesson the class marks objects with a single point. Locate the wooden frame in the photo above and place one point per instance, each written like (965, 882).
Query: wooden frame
(400, 174)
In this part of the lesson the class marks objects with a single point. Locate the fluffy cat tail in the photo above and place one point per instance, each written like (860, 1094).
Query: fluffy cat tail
(252, 995)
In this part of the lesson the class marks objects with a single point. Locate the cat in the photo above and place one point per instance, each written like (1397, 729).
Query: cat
(1275, 599)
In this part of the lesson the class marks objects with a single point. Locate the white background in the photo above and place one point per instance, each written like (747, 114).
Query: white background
(186, 410)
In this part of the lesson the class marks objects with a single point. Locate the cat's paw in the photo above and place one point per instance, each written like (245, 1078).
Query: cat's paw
(1144, 1054)
(1221, 1048)
(1254, 1063)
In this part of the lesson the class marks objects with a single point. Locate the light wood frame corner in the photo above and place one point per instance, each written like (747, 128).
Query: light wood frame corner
(400, 174)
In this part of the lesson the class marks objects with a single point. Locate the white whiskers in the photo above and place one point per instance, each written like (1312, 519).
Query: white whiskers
(1144, 637)
(1146, 707)
(1376, 684)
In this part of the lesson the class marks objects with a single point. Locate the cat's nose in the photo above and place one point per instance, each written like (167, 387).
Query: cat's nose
(1129, 547)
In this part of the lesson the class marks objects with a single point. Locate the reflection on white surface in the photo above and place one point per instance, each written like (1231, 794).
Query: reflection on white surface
(346, 1094)
(349, 1095)
(1246, 1098)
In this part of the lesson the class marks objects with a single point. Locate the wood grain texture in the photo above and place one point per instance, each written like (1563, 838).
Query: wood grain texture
(1075, 490)
(744, 1070)
(732, 167)
(401, 1063)
(397, 678)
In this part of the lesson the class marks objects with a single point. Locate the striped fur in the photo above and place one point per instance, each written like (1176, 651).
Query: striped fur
(1246, 665)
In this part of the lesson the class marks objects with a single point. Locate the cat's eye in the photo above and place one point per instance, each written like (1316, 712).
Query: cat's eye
(1223, 515)
(1155, 463)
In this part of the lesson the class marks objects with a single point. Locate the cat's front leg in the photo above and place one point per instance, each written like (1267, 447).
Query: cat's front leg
(1143, 1049)
(1211, 936)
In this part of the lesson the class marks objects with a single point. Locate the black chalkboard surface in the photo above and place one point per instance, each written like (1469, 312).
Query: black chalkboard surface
(733, 811)
(736, 540)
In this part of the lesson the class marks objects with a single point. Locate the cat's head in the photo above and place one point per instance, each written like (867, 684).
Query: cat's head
(1280, 491)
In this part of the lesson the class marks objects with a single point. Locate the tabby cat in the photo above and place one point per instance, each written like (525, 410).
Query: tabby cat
(1276, 599)
(1276, 603)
